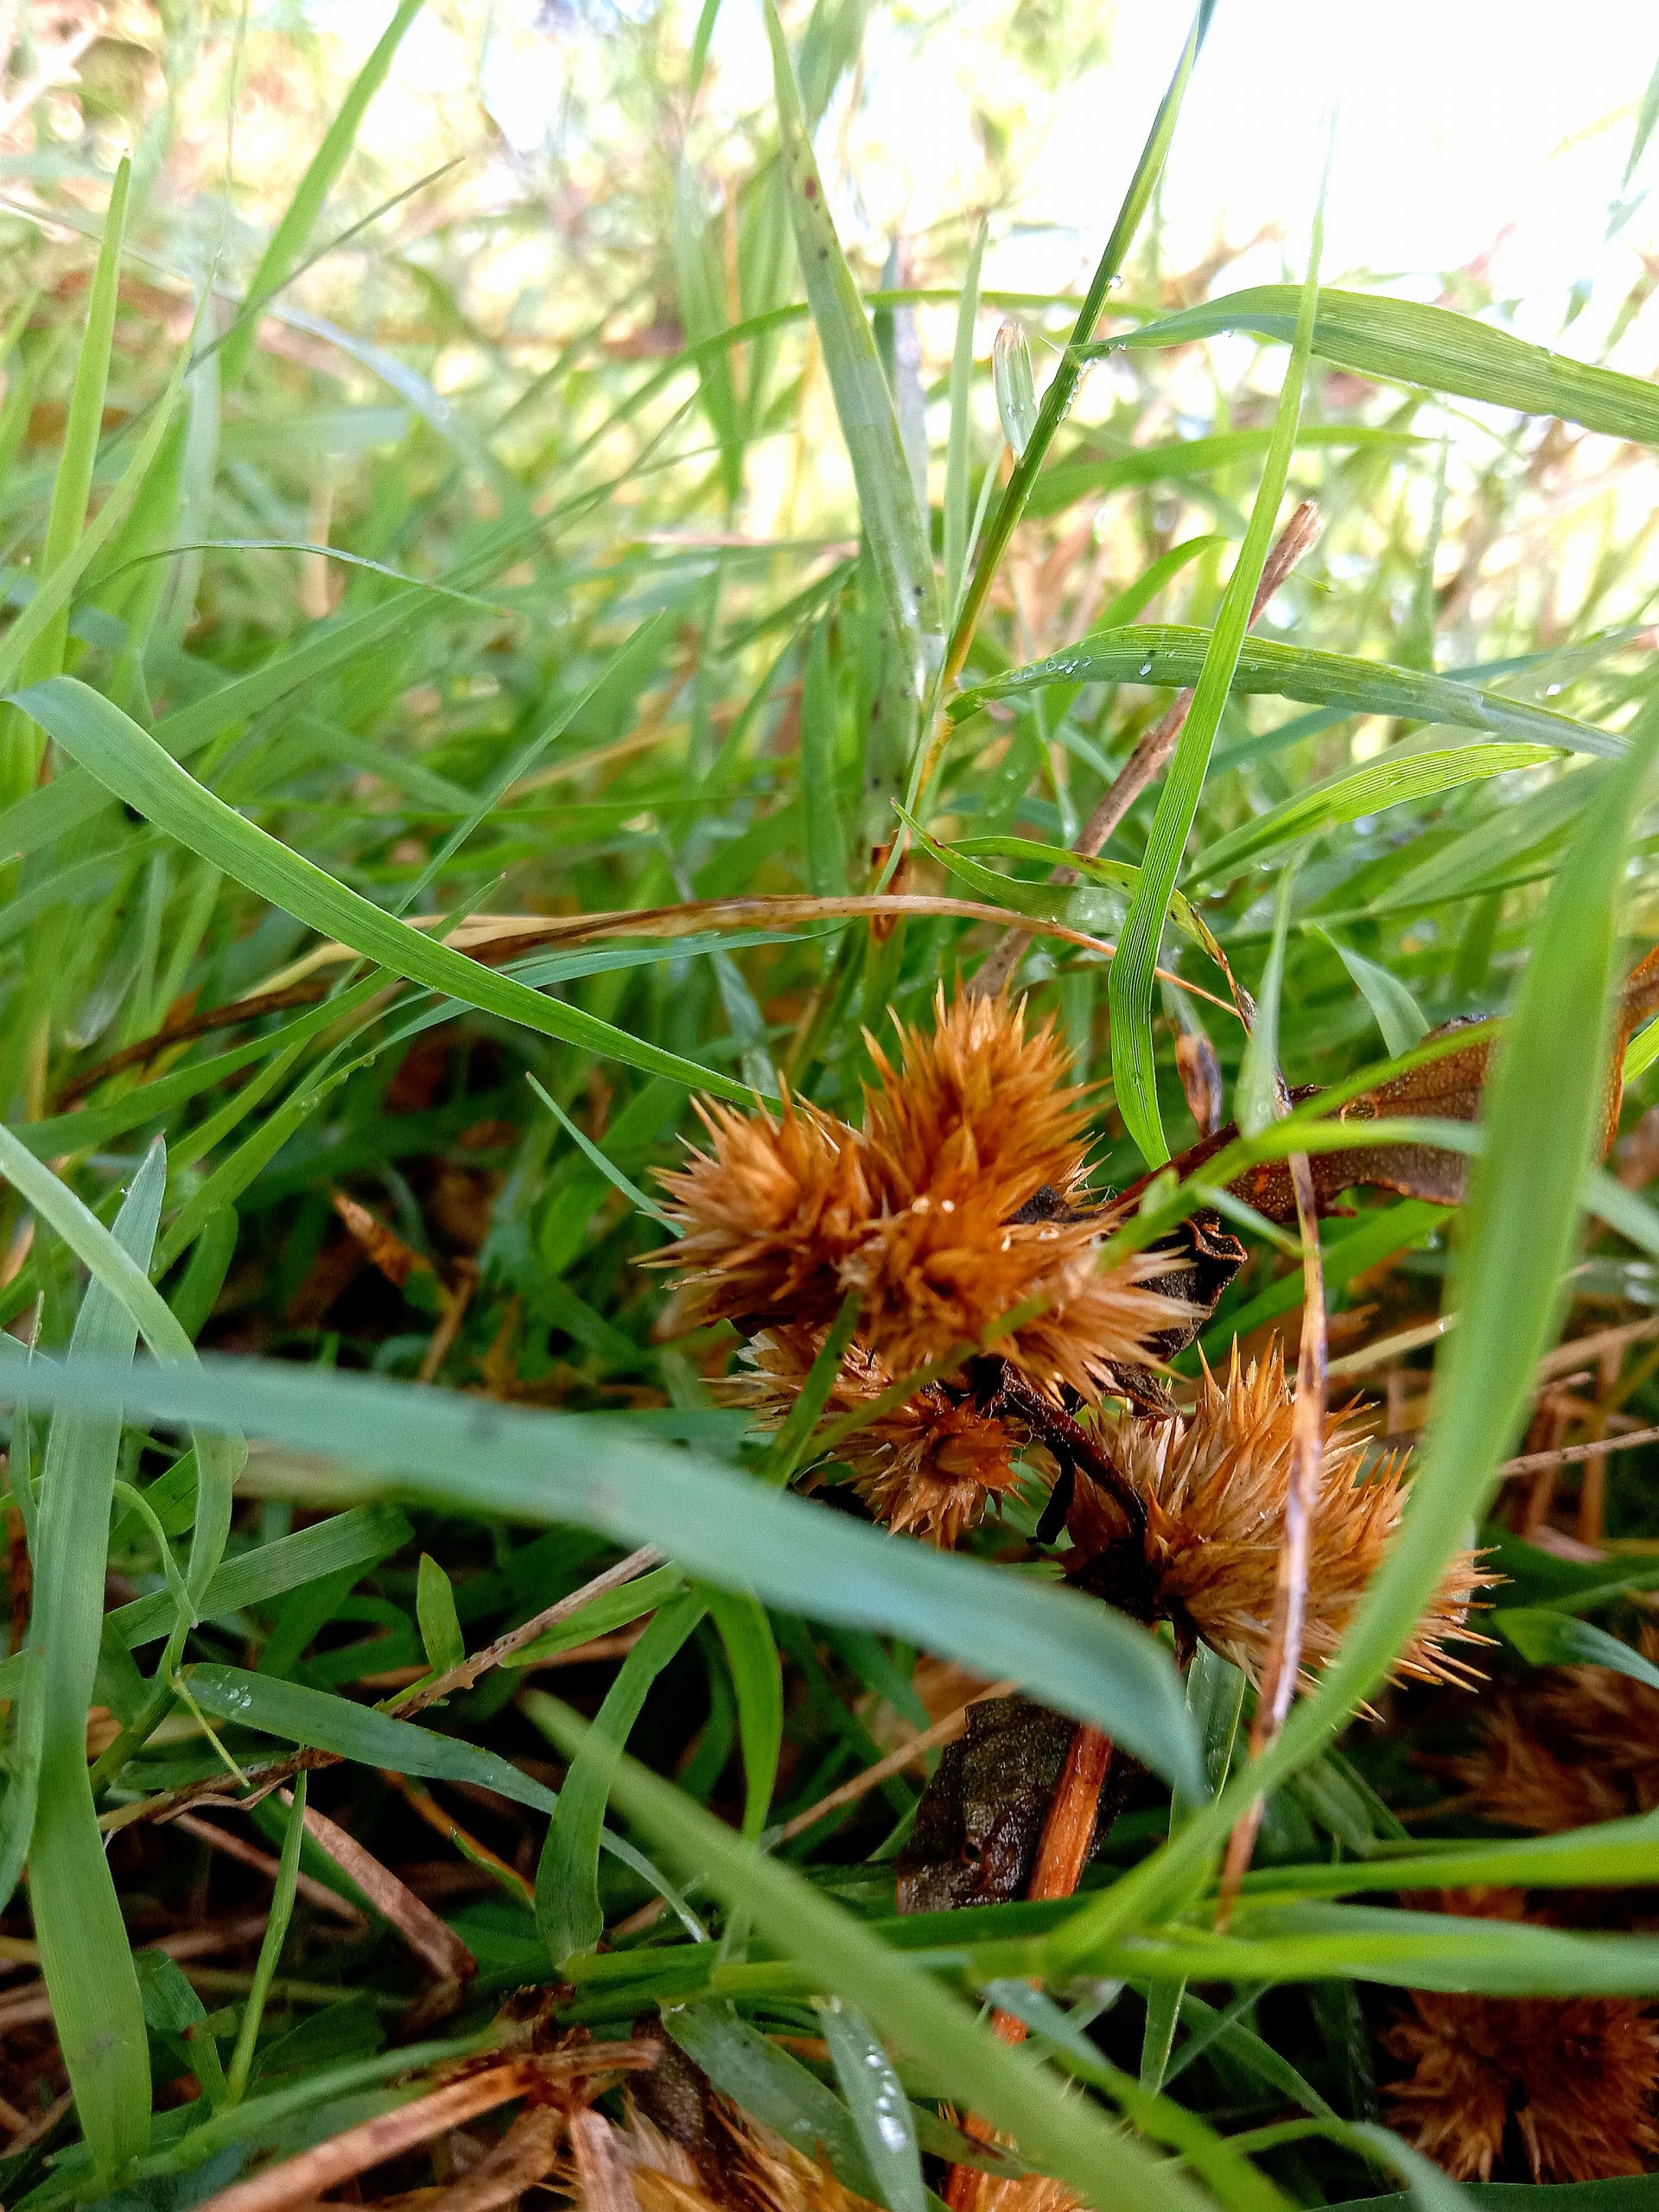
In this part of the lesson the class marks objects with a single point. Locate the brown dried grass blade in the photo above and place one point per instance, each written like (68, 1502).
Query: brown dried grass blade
(431, 1940)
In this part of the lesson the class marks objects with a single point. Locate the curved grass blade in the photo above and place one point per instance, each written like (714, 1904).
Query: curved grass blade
(85, 1954)
(876, 2097)
(1404, 342)
(486, 1458)
(1133, 1072)
(567, 1875)
(1173, 654)
(128, 761)
(758, 1681)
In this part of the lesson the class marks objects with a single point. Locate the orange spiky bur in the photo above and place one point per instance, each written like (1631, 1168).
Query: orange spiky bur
(1578, 1745)
(1214, 1483)
(927, 1468)
(951, 1212)
(1569, 2083)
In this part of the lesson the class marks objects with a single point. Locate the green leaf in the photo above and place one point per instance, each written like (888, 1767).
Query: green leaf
(785, 1452)
(568, 1910)
(435, 1610)
(825, 830)
(317, 1719)
(85, 1954)
(1004, 2083)
(345, 1540)
(876, 2097)
(1545, 1638)
(959, 457)
(130, 763)
(892, 520)
(219, 1457)
(524, 1465)
(270, 1944)
(1173, 656)
(1400, 1018)
(1405, 342)
(1379, 784)
(603, 1616)
(758, 1680)
(1256, 1097)
(1134, 1073)
(1016, 394)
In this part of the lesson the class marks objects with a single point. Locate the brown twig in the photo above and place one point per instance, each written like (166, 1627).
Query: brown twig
(300, 2179)
(246, 1854)
(1569, 1455)
(1149, 755)
(432, 1941)
(266, 1778)
(1284, 1666)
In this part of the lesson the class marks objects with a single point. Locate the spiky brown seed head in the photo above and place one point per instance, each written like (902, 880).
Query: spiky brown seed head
(1563, 2089)
(948, 1271)
(748, 2169)
(768, 1214)
(927, 1468)
(1581, 1744)
(1215, 1484)
(980, 1102)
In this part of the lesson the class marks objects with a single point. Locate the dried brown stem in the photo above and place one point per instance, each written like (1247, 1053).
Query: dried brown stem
(432, 1941)
(1150, 754)
(1290, 1592)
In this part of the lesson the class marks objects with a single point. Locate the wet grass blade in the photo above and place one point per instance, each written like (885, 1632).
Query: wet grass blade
(1405, 342)
(85, 1953)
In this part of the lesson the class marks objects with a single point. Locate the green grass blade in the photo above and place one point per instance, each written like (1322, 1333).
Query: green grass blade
(568, 1910)
(1371, 790)
(219, 1456)
(1174, 656)
(959, 452)
(1134, 1073)
(1065, 2135)
(758, 1681)
(881, 2110)
(894, 523)
(253, 1578)
(20, 751)
(722, 1526)
(130, 763)
(288, 240)
(85, 1954)
(1405, 342)
(270, 1946)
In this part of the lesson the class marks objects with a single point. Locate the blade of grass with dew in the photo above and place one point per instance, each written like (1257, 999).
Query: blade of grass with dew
(1172, 655)
(881, 2111)
(130, 763)
(568, 1911)
(84, 1955)
(1133, 1072)
(1004, 2083)
(20, 750)
(1405, 342)
(893, 521)
(1541, 1117)
(482, 1457)
(1371, 790)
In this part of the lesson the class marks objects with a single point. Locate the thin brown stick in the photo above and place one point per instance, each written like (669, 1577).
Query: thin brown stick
(1569, 1455)
(263, 1779)
(432, 1941)
(1284, 1665)
(246, 1854)
(1150, 754)
(445, 1824)
(299, 2179)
